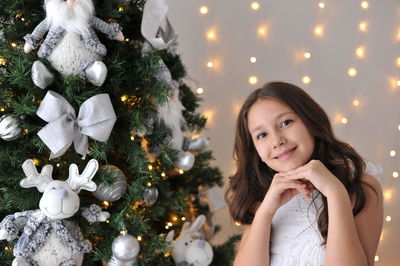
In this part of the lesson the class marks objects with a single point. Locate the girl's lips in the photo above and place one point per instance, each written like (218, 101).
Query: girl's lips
(286, 154)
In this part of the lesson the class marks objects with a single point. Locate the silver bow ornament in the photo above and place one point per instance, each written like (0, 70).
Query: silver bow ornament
(96, 119)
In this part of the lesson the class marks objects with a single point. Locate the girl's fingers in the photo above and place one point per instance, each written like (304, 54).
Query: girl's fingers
(295, 184)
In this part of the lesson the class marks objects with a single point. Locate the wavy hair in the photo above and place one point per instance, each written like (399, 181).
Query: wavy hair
(253, 177)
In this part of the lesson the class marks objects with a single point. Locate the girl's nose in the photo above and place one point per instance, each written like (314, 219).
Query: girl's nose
(278, 141)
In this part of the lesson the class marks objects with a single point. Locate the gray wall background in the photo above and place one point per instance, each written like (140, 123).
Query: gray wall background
(372, 126)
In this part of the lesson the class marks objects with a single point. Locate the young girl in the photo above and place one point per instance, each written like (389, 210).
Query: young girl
(305, 197)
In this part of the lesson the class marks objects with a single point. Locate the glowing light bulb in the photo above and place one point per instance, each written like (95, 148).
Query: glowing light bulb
(344, 120)
(2, 109)
(356, 102)
(58, 165)
(255, 6)
(139, 238)
(306, 79)
(200, 90)
(363, 26)
(352, 72)
(388, 194)
(398, 83)
(181, 171)
(132, 138)
(163, 174)
(307, 55)
(321, 5)
(120, 9)
(398, 127)
(169, 224)
(360, 52)
(364, 4)
(392, 153)
(183, 218)
(150, 167)
(253, 59)
(376, 258)
(319, 30)
(253, 80)
(149, 184)
(3, 61)
(203, 10)
(211, 35)
(262, 31)
(398, 61)
(124, 98)
(13, 44)
(237, 223)
(35, 161)
(395, 174)
(210, 64)
(388, 218)
(166, 227)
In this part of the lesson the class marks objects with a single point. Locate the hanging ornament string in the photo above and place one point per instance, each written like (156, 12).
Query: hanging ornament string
(96, 120)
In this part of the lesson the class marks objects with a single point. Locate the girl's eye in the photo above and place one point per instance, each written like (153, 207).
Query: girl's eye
(286, 122)
(261, 135)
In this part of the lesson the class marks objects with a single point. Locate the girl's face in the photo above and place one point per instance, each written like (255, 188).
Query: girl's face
(280, 137)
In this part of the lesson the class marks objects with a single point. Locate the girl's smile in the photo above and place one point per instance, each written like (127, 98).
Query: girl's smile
(285, 154)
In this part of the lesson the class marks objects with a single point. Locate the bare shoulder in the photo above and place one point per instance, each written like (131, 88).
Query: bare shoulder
(372, 189)
(370, 219)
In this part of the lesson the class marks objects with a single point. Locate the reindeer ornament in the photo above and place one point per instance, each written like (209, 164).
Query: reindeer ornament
(47, 239)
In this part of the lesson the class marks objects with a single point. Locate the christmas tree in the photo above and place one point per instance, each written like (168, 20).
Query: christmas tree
(100, 85)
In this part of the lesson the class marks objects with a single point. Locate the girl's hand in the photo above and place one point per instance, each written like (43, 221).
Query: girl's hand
(281, 191)
(316, 173)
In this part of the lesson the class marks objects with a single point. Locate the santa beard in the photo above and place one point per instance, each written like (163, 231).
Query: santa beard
(75, 18)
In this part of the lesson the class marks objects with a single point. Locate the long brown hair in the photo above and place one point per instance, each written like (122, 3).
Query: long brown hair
(253, 177)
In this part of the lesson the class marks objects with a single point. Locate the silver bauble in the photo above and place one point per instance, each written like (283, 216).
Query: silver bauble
(116, 190)
(184, 160)
(9, 128)
(150, 195)
(198, 144)
(125, 249)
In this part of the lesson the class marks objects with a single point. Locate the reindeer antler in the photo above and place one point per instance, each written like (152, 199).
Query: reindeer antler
(33, 178)
(83, 181)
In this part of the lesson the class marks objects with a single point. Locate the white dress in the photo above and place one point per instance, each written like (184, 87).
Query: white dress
(295, 238)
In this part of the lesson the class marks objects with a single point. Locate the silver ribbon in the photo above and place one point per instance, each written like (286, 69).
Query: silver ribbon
(155, 19)
(96, 120)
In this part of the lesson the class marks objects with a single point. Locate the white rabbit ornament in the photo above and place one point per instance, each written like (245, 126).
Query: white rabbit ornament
(187, 248)
(46, 238)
